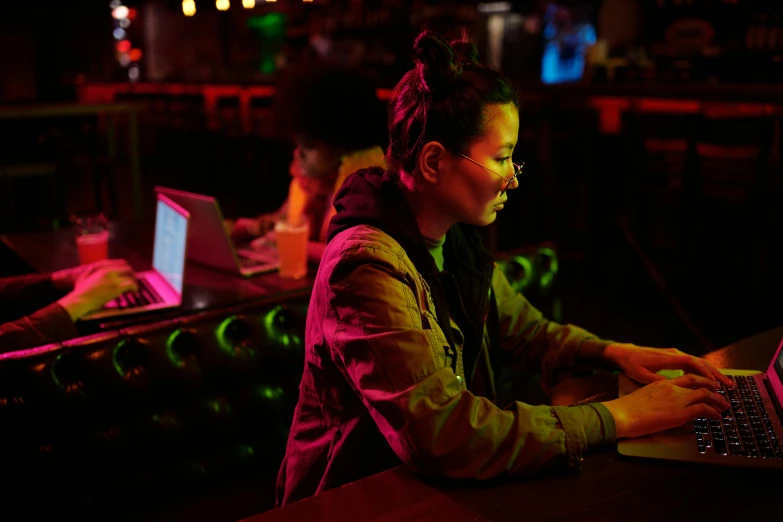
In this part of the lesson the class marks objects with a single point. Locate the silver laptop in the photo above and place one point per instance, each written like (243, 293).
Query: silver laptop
(210, 245)
(749, 434)
(160, 287)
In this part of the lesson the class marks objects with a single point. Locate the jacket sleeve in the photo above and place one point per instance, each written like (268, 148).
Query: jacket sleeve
(22, 295)
(533, 341)
(390, 349)
(51, 324)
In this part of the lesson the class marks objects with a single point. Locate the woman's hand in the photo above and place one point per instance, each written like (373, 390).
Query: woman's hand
(66, 279)
(95, 288)
(641, 364)
(666, 404)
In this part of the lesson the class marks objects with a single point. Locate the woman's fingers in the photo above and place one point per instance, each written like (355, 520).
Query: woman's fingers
(705, 396)
(702, 367)
(690, 380)
(127, 284)
(697, 411)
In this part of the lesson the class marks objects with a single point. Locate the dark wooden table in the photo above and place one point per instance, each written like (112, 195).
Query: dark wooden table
(610, 487)
(204, 289)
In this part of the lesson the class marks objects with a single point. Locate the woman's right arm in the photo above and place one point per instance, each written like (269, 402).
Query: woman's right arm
(391, 350)
(392, 353)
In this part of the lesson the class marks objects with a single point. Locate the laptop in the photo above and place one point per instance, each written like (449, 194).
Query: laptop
(210, 244)
(748, 434)
(161, 287)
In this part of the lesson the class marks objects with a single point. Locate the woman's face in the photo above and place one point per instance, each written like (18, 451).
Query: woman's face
(470, 193)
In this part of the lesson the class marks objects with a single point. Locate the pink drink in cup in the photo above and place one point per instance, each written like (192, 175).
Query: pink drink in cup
(292, 249)
(92, 239)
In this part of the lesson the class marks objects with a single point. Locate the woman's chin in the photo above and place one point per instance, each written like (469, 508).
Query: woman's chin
(488, 219)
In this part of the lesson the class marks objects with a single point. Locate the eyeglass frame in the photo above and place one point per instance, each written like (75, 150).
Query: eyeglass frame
(517, 170)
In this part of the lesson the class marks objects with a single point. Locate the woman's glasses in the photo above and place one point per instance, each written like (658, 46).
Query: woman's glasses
(509, 181)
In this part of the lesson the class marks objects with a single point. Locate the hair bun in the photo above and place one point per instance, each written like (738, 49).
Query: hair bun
(435, 62)
(465, 52)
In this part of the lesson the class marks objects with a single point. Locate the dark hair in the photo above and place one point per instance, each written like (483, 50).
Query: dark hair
(331, 103)
(442, 99)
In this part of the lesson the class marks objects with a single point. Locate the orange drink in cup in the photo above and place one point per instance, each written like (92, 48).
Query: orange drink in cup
(291, 235)
(292, 248)
(92, 238)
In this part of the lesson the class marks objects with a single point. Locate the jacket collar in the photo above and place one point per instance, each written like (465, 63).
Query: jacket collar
(372, 197)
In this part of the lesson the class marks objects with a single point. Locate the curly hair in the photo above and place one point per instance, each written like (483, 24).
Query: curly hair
(330, 103)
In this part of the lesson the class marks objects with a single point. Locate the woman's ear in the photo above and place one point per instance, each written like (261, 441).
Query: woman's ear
(431, 161)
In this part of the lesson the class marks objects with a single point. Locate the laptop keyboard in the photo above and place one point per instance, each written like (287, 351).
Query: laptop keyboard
(745, 430)
(246, 262)
(145, 295)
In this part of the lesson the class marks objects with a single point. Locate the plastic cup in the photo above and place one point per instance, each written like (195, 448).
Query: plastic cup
(92, 238)
(292, 248)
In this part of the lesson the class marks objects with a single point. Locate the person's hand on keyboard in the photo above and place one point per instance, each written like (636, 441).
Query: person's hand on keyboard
(96, 285)
(666, 404)
(268, 240)
(642, 364)
(245, 228)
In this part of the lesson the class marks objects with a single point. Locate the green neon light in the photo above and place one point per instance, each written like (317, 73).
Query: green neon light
(219, 406)
(220, 332)
(170, 353)
(270, 393)
(54, 374)
(114, 362)
(547, 278)
(273, 332)
(245, 451)
(553, 264)
(527, 268)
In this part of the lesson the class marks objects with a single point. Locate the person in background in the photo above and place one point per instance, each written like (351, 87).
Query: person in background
(410, 320)
(569, 34)
(43, 308)
(336, 122)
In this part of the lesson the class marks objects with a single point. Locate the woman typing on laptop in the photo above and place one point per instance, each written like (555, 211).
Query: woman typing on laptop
(410, 320)
(42, 308)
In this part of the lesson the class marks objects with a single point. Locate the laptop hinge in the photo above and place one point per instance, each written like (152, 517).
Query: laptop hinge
(773, 397)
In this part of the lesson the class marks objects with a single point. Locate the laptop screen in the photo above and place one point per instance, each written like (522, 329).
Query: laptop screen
(171, 235)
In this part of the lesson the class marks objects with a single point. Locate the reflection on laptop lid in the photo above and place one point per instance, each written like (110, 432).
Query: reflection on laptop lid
(171, 235)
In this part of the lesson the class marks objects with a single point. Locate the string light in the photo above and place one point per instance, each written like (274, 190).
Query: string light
(126, 55)
(189, 7)
(248, 4)
(222, 5)
(120, 12)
